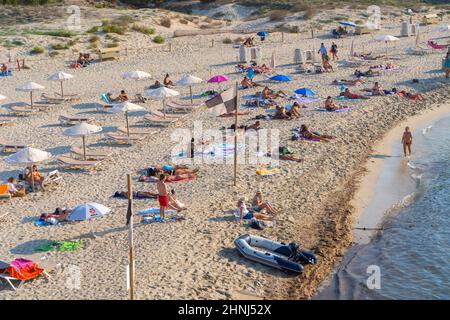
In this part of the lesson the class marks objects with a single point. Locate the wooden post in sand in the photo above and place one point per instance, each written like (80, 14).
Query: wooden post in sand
(212, 43)
(235, 135)
(312, 33)
(170, 47)
(282, 37)
(130, 274)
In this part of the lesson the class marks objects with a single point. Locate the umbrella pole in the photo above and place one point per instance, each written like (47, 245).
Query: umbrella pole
(62, 90)
(190, 92)
(31, 98)
(128, 126)
(164, 107)
(84, 147)
(235, 136)
(32, 178)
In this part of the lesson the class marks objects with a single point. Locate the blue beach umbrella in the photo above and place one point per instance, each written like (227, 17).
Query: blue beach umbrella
(250, 73)
(348, 23)
(305, 92)
(262, 33)
(281, 78)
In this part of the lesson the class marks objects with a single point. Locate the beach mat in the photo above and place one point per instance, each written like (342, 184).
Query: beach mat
(60, 246)
(339, 110)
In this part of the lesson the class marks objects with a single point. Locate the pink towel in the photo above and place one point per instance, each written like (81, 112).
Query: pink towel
(21, 263)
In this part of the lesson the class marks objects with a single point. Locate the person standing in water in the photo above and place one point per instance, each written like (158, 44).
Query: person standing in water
(163, 195)
(407, 141)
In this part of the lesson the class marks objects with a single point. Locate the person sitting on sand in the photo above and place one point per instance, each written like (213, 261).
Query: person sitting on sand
(304, 132)
(123, 96)
(4, 69)
(408, 95)
(258, 204)
(34, 176)
(14, 189)
(156, 85)
(242, 213)
(326, 64)
(330, 105)
(247, 83)
(248, 42)
(281, 114)
(167, 82)
(174, 203)
(294, 112)
(377, 90)
(350, 95)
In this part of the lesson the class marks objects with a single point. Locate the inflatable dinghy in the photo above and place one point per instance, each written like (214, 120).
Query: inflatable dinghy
(275, 254)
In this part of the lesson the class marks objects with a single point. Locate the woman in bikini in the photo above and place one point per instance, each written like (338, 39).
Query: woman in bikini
(167, 82)
(350, 95)
(304, 132)
(330, 105)
(407, 141)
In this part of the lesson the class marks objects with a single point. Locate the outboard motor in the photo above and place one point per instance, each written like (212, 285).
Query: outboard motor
(299, 255)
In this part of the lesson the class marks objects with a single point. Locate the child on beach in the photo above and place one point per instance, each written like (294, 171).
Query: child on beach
(407, 141)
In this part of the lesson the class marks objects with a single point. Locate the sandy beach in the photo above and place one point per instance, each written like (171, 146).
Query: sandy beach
(196, 258)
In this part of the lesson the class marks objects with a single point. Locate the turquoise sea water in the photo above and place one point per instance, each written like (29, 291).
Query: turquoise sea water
(412, 251)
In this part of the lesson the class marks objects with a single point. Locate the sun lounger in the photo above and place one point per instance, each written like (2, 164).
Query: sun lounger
(52, 178)
(75, 163)
(158, 120)
(45, 98)
(4, 192)
(160, 114)
(74, 120)
(174, 106)
(68, 97)
(123, 138)
(138, 131)
(22, 110)
(4, 121)
(91, 154)
(10, 147)
(20, 270)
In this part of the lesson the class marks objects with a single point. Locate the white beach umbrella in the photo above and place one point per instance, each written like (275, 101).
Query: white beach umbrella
(88, 211)
(30, 87)
(136, 75)
(126, 107)
(162, 93)
(28, 156)
(189, 80)
(386, 38)
(2, 97)
(82, 129)
(61, 77)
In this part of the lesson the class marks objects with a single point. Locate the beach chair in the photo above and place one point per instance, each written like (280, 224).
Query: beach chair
(68, 97)
(21, 270)
(138, 131)
(78, 164)
(4, 192)
(155, 120)
(177, 106)
(45, 98)
(91, 154)
(73, 120)
(52, 178)
(4, 121)
(123, 138)
(160, 114)
(10, 147)
(23, 110)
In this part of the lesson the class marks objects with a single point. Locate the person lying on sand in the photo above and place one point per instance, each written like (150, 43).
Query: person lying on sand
(288, 157)
(167, 82)
(368, 73)
(350, 95)
(258, 204)
(256, 126)
(330, 105)
(260, 103)
(174, 203)
(348, 82)
(409, 95)
(272, 94)
(136, 194)
(304, 132)
(174, 170)
(34, 176)
(242, 213)
(59, 215)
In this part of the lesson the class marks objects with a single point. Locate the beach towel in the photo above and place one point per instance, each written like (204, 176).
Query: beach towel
(347, 99)
(22, 269)
(267, 171)
(152, 215)
(169, 179)
(338, 110)
(6, 74)
(297, 136)
(122, 195)
(60, 246)
(43, 223)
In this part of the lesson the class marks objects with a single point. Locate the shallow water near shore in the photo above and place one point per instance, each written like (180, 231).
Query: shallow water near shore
(412, 249)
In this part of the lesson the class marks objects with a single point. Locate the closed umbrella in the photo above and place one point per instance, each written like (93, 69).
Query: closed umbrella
(61, 77)
(189, 80)
(82, 129)
(136, 75)
(30, 87)
(88, 211)
(281, 78)
(28, 156)
(386, 39)
(347, 23)
(126, 107)
(305, 92)
(162, 93)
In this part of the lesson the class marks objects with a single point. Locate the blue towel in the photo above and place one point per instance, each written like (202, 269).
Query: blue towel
(348, 99)
(339, 110)
(3, 74)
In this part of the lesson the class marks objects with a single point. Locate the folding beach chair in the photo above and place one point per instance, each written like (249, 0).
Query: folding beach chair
(74, 120)
(20, 270)
(177, 106)
(4, 192)
(153, 119)
(52, 178)
(6, 146)
(138, 131)
(123, 138)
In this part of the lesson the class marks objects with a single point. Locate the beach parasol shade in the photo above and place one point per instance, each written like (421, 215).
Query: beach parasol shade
(30, 87)
(189, 80)
(262, 33)
(162, 93)
(61, 77)
(88, 211)
(281, 78)
(305, 92)
(347, 23)
(126, 107)
(82, 129)
(219, 78)
(136, 75)
(386, 39)
(28, 156)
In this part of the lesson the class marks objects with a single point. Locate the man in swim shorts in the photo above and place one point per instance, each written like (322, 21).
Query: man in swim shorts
(163, 195)
(407, 141)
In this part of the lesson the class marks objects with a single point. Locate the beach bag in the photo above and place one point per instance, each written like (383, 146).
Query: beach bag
(284, 150)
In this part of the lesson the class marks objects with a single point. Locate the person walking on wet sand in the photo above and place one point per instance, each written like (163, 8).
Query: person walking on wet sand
(407, 141)
(163, 195)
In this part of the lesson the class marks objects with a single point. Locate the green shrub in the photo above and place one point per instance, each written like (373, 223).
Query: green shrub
(159, 39)
(143, 29)
(115, 28)
(53, 33)
(53, 54)
(112, 45)
(93, 45)
(165, 22)
(72, 42)
(93, 39)
(94, 29)
(37, 50)
(59, 46)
